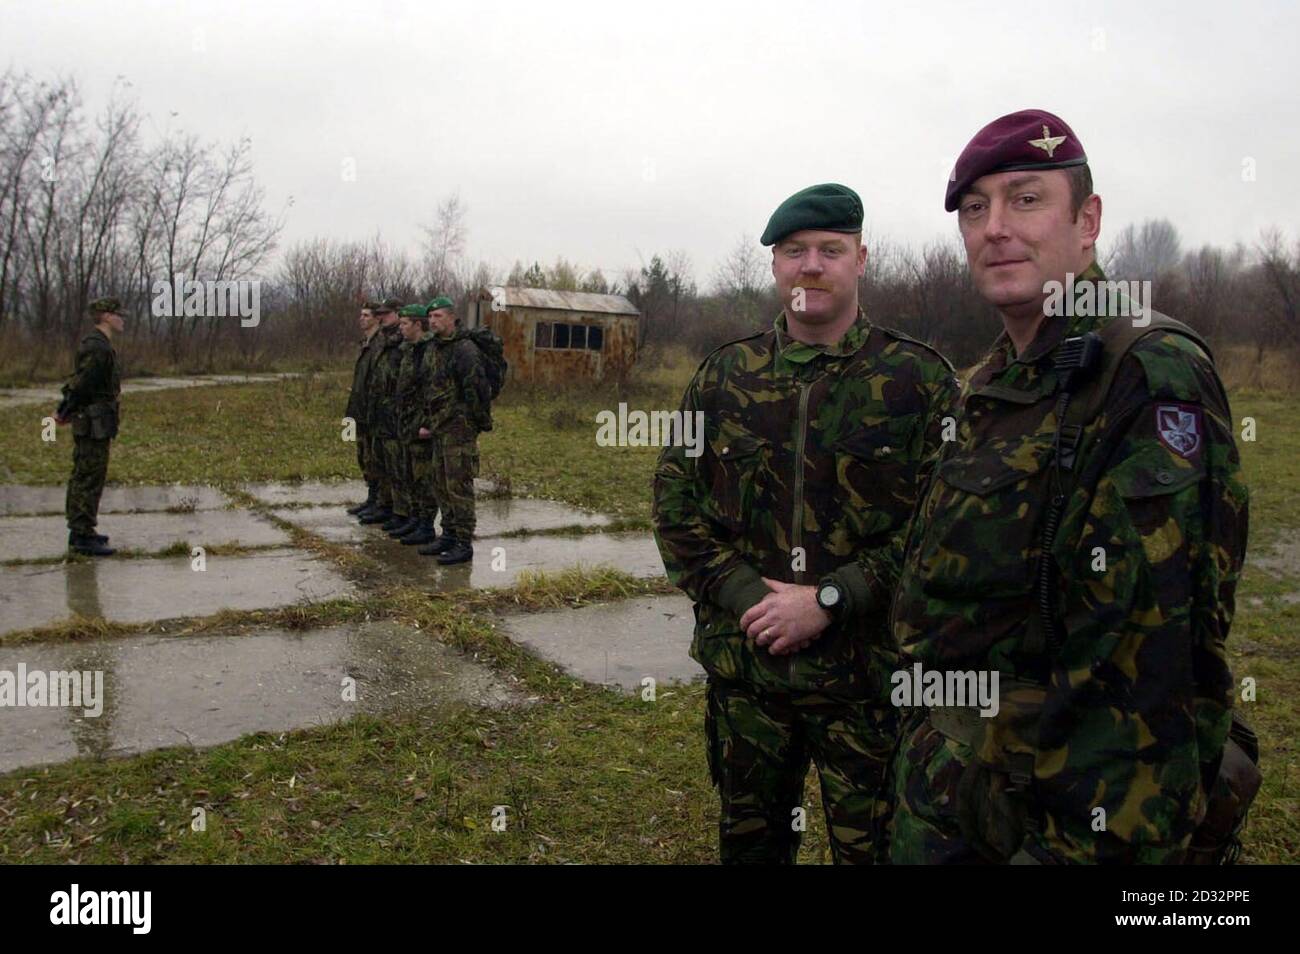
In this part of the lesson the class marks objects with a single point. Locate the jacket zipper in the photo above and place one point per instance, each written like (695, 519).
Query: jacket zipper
(796, 534)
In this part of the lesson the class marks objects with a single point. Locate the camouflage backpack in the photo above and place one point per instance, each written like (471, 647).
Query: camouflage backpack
(494, 357)
(1089, 365)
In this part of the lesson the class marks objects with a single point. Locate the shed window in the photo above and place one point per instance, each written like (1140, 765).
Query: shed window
(561, 336)
(595, 338)
(542, 337)
(578, 336)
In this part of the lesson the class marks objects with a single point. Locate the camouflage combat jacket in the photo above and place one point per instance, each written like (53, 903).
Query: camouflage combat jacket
(383, 382)
(459, 398)
(90, 395)
(1137, 697)
(412, 389)
(809, 466)
(359, 397)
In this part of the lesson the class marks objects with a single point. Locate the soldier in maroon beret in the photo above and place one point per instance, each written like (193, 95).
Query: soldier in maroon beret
(1067, 588)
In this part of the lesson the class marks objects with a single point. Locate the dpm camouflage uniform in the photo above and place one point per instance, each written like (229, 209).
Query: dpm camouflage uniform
(90, 401)
(1122, 702)
(460, 405)
(412, 414)
(810, 466)
(394, 485)
(359, 403)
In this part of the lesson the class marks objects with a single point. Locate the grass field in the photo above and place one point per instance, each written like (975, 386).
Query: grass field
(586, 775)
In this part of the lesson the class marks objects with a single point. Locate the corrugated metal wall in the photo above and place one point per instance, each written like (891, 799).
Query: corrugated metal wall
(517, 328)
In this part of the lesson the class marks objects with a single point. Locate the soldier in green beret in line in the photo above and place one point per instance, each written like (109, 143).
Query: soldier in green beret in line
(412, 427)
(359, 405)
(381, 402)
(90, 403)
(1080, 540)
(460, 406)
(787, 531)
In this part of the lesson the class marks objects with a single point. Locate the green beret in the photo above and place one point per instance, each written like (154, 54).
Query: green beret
(414, 311)
(389, 304)
(105, 306)
(442, 301)
(829, 207)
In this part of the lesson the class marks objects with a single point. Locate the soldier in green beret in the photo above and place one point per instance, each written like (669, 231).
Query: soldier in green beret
(460, 405)
(358, 404)
(382, 414)
(90, 403)
(1077, 548)
(786, 532)
(412, 427)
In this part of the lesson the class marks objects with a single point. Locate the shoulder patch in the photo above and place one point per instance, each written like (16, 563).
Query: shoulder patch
(1180, 428)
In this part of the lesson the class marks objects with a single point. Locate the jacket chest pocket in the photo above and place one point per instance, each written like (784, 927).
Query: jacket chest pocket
(736, 478)
(983, 519)
(876, 471)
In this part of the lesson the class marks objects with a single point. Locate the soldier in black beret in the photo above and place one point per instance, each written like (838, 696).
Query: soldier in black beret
(90, 403)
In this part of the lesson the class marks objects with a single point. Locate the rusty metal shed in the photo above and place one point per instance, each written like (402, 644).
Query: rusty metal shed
(559, 335)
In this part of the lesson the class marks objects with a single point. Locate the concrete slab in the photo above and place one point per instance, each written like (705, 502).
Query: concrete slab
(17, 397)
(615, 644)
(496, 516)
(318, 492)
(27, 538)
(137, 591)
(161, 691)
(22, 499)
(498, 561)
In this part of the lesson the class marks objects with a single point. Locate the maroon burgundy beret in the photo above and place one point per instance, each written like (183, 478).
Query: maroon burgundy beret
(1029, 139)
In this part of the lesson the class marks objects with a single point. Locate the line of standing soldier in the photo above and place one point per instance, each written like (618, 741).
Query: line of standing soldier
(1072, 520)
(420, 396)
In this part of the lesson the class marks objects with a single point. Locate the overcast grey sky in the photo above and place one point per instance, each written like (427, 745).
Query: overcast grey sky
(607, 132)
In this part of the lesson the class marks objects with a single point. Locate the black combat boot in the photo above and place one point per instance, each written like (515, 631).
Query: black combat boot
(88, 545)
(438, 545)
(365, 504)
(401, 525)
(460, 551)
(377, 515)
(396, 520)
(422, 534)
(100, 537)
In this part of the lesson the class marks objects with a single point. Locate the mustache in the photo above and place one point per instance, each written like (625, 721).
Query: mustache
(812, 284)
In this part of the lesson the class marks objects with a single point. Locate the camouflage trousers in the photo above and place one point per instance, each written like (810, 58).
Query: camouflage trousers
(365, 455)
(760, 745)
(419, 465)
(454, 468)
(89, 468)
(379, 467)
(950, 809)
(399, 475)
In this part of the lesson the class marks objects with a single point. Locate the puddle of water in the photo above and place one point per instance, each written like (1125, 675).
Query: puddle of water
(495, 517)
(498, 561)
(615, 644)
(164, 691)
(29, 538)
(30, 500)
(331, 492)
(1281, 559)
(137, 591)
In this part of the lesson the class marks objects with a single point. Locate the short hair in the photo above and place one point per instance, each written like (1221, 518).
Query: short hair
(1080, 187)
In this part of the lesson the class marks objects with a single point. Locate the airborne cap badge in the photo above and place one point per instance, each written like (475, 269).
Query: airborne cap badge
(1048, 143)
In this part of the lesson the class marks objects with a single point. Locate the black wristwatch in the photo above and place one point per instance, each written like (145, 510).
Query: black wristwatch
(830, 596)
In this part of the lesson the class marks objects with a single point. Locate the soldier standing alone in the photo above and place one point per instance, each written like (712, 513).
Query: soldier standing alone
(786, 532)
(90, 402)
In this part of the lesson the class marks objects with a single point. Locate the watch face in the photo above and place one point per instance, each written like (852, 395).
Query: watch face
(828, 595)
